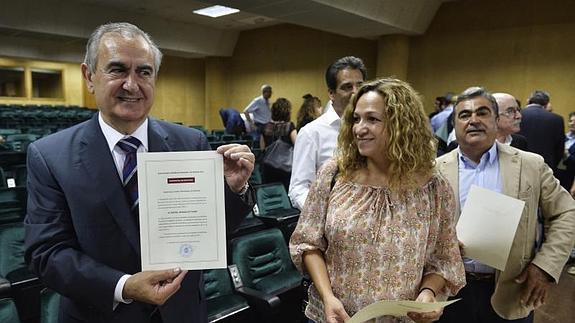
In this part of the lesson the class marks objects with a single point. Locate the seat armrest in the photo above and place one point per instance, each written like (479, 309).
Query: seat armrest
(258, 298)
(5, 287)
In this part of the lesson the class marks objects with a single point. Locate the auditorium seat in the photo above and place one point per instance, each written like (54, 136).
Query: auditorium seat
(12, 204)
(8, 311)
(264, 265)
(249, 224)
(224, 305)
(49, 306)
(25, 286)
(256, 176)
(273, 202)
(228, 137)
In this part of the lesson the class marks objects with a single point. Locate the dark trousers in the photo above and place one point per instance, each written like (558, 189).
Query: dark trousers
(475, 305)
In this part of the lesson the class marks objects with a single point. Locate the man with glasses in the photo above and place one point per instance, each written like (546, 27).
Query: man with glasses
(509, 121)
(510, 295)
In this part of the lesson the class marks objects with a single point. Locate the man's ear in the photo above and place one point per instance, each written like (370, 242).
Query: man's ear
(331, 94)
(87, 74)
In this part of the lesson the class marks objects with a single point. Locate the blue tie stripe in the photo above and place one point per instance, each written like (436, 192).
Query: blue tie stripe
(130, 146)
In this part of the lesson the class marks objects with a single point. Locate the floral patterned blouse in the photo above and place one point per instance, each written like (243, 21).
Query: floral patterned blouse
(378, 244)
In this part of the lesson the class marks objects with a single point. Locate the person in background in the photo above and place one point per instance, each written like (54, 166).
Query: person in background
(316, 141)
(279, 128)
(510, 295)
(378, 221)
(82, 234)
(233, 122)
(439, 104)
(543, 129)
(258, 113)
(509, 121)
(440, 119)
(309, 111)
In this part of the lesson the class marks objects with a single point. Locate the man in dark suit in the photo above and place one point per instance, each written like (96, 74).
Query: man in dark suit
(82, 236)
(508, 123)
(543, 129)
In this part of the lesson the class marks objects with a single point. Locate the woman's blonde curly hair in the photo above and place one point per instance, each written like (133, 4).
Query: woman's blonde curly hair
(411, 146)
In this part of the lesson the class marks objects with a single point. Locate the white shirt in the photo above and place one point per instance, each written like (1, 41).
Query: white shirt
(112, 137)
(507, 141)
(315, 143)
(260, 109)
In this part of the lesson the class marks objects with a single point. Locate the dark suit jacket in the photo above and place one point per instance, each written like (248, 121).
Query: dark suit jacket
(80, 235)
(519, 141)
(544, 133)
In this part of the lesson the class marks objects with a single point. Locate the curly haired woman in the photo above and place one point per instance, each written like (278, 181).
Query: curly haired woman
(377, 223)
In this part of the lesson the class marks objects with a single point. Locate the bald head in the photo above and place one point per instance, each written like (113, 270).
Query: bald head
(509, 116)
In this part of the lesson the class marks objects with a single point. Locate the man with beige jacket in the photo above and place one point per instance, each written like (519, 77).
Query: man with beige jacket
(510, 295)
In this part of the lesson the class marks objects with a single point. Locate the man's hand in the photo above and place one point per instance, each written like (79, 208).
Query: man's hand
(334, 311)
(238, 165)
(425, 296)
(153, 287)
(537, 282)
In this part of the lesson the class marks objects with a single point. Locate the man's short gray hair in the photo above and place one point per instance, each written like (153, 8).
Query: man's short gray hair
(266, 86)
(477, 91)
(125, 29)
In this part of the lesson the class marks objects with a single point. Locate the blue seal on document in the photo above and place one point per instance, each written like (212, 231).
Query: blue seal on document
(186, 250)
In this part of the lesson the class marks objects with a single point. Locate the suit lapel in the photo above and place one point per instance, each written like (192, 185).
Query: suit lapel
(509, 170)
(449, 167)
(157, 137)
(101, 170)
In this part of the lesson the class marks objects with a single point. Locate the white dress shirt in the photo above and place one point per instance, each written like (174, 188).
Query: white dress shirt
(260, 109)
(315, 144)
(112, 137)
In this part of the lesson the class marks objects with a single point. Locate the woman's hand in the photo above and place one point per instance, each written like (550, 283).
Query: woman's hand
(425, 296)
(334, 311)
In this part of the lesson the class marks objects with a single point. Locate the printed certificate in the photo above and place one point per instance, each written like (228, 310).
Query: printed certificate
(182, 215)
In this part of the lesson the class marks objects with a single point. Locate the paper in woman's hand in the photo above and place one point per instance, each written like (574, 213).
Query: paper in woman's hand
(395, 308)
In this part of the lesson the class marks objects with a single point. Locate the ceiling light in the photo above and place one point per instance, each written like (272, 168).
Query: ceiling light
(216, 11)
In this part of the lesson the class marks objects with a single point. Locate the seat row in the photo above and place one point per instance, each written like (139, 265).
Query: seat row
(261, 285)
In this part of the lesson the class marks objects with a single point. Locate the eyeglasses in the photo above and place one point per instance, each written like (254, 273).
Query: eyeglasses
(511, 112)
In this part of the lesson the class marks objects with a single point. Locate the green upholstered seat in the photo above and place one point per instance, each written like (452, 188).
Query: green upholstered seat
(222, 302)
(49, 306)
(11, 248)
(264, 263)
(12, 264)
(8, 311)
(249, 224)
(273, 202)
(256, 177)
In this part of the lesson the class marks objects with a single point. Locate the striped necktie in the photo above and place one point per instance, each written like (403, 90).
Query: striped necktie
(129, 146)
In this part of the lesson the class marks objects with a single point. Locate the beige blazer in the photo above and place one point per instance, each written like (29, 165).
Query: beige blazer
(526, 176)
